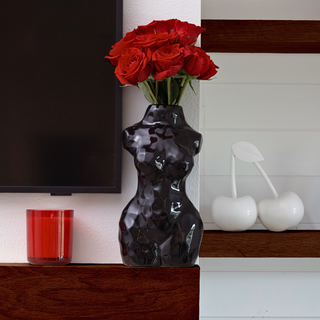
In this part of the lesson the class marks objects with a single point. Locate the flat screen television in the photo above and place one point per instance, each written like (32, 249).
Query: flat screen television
(60, 102)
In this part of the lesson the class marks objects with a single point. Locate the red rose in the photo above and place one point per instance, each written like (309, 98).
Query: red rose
(167, 61)
(199, 63)
(120, 47)
(154, 41)
(187, 33)
(156, 26)
(133, 67)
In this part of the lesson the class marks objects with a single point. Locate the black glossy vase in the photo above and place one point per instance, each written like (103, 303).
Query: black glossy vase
(160, 227)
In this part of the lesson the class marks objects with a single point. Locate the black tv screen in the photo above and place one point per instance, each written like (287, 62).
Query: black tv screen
(60, 102)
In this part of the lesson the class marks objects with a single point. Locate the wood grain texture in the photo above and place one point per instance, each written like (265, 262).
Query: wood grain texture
(98, 292)
(261, 244)
(261, 36)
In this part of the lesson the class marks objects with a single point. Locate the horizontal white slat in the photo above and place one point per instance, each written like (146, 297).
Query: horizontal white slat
(265, 68)
(259, 264)
(285, 153)
(240, 270)
(260, 107)
(308, 190)
(261, 9)
(256, 318)
(260, 294)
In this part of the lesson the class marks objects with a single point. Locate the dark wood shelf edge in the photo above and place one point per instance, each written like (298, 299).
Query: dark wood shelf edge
(261, 36)
(98, 266)
(261, 244)
(98, 291)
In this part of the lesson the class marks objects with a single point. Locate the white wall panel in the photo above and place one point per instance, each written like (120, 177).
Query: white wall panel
(259, 264)
(259, 288)
(261, 106)
(272, 294)
(261, 9)
(272, 101)
(266, 68)
(256, 318)
(285, 153)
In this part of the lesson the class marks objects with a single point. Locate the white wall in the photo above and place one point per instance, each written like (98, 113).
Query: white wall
(261, 9)
(96, 216)
(243, 289)
(271, 100)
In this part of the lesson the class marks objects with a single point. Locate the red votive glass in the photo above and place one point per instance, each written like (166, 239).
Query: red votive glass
(49, 237)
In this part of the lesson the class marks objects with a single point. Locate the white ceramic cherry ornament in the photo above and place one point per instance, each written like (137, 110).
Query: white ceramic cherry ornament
(283, 211)
(234, 214)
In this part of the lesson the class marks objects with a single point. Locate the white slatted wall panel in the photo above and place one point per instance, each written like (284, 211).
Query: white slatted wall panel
(261, 9)
(259, 288)
(273, 101)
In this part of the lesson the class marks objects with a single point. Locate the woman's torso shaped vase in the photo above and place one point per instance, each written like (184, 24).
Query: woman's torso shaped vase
(160, 226)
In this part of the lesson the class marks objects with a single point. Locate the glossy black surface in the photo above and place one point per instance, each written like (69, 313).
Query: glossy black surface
(60, 122)
(160, 226)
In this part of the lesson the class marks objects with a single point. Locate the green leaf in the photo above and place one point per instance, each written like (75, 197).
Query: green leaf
(145, 91)
(192, 87)
(179, 76)
(183, 81)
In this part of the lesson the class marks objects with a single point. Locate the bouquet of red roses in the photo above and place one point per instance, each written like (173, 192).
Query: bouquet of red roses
(161, 59)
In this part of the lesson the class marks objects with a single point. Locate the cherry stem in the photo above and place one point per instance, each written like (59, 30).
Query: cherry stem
(233, 177)
(273, 190)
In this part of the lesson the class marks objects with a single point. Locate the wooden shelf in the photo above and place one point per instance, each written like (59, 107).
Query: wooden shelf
(98, 292)
(261, 244)
(261, 36)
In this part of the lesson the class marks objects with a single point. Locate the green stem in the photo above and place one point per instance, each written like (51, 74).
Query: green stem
(150, 91)
(183, 88)
(169, 90)
(151, 85)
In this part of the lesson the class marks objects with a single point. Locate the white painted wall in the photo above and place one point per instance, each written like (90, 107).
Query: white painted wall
(271, 100)
(96, 216)
(259, 288)
(261, 9)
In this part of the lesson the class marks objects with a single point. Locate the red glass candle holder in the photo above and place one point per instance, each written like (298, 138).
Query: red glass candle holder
(49, 236)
